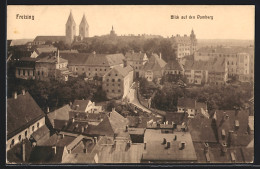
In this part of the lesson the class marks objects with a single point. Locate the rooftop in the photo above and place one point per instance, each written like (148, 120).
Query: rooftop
(80, 105)
(105, 59)
(173, 65)
(154, 63)
(186, 103)
(21, 112)
(156, 151)
(75, 58)
(135, 56)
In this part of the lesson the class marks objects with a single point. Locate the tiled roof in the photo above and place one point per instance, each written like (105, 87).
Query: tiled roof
(50, 38)
(51, 59)
(154, 63)
(173, 65)
(45, 50)
(213, 65)
(186, 102)
(59, 114)
(132, 56)
(75, 58)
(21, 112)
(177, 118)
(226, 121)
(202, 130)
(105, 59)
(37, 135)
(80, 105)
(156, 151)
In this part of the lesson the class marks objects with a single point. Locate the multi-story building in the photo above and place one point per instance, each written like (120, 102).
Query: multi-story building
(173, 67)
(52, 67)
(24, 117)
(100, 64)
(185, 45)
(213, 71)
(116, 82)
(238, 60)
(136, 60)
(153, 69)
(25, 68)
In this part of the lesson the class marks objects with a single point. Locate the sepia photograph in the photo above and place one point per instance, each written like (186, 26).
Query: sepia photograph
(115, 84)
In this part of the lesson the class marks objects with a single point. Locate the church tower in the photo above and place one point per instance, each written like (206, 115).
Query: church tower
(83, 28)
(193, 40)
(70, 29)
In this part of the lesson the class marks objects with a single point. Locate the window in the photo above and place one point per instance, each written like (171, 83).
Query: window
(100, 69)
(23, 72)
(12, 142)
(19, 72)
(20, 137)
(107, 84)
(113, 91)
(119, 80)
(28, 72)
(76, 68)
(109, 74)
(105, 69)
(118, 84)
(116, 74)
(42, 73)
(82, 69)
(25, 133)
(32, 128)
(38, 125)
(119, 91)
(107, 80)
(107, 90)
(96, 69)
(113, 80)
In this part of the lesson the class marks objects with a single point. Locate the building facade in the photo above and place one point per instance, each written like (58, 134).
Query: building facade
(117, 82)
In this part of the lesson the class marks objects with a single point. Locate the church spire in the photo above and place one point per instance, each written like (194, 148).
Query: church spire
(84, 27)
(70, 19)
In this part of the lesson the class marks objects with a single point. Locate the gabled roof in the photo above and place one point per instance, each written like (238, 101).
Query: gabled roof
(75, 58)
(173, 65)
(80, 105)
(45, 50)
(59, 114)
(21, 113)
(132, 56)
(51, 59)
(154, 63)
(186, 102)
(105, 59)
(37, 135)
(49, 38)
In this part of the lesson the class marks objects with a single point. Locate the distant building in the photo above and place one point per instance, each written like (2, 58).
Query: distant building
(41, 40)
(116, 82)
(112, 32)
(25, 68)
(83, 28)
(192, 107)
(136, 60)
(24, 118)
(100, 64)
(185, 45)
(239, 60)
(153, 68)
(85, 106)
(173, 67)
(52, 67)
(43, 49)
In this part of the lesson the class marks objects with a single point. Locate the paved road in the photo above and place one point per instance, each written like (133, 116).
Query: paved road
(132, 96)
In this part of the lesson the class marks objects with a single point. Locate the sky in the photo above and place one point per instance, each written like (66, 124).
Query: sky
(229, 22)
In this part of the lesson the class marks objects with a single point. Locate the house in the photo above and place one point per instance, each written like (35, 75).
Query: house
(85, 106)
(24, 117)
(153, 68)
(100, 64)
(168, 147)
(59, 114)
(117, 82)
(41, 40)
(76, 61)
(136, 60)
(25, 68)
(186, 105)
(239, 60)
(52, 66)
(173, 67)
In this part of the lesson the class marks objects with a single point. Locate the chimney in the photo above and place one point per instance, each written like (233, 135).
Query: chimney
(182, 145)
(23, 92)
(95, 139)
(125, 62)
(86, 126)
(175, 138)
(85, 150)
(94, 52)
(129, 144)
(82, 129)
(54, 149)
(23, 150)
(73, 120)
(160, 55)
(145, 145)
(164, 141)
(126, 128)
(58, 56)
(206, 147)
(15, 95)
(167, 145)
(48, 109)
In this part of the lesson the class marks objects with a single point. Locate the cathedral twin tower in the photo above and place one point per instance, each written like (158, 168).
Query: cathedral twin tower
(71, 29)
